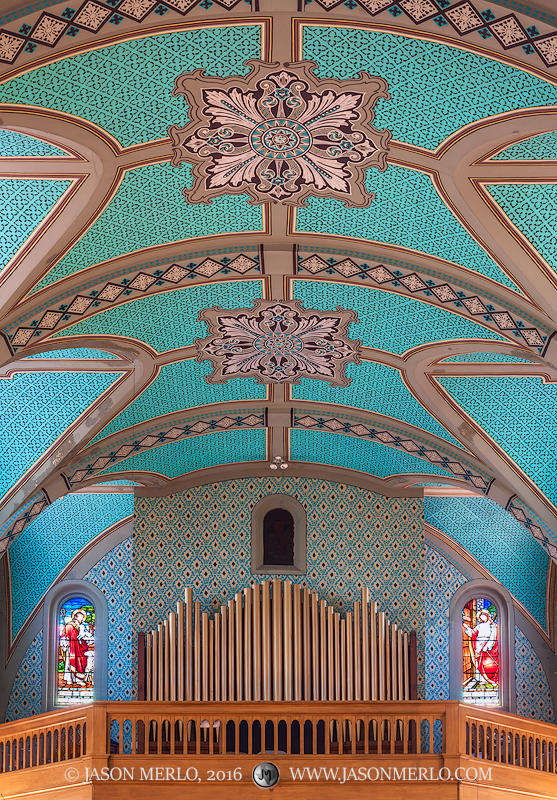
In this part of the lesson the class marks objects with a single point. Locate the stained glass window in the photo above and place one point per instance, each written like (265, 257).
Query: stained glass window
(76, 652)
(278, 538)
(480, 646)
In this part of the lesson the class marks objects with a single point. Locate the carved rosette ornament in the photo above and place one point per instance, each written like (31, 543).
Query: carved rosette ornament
(278, 342)
(280, 135)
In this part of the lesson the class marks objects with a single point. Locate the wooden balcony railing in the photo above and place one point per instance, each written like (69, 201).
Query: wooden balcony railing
(340, 729)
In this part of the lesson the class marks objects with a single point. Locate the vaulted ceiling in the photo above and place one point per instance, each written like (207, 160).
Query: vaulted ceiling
(451, 268)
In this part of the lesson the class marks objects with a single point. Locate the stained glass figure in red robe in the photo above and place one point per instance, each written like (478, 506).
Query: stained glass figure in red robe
(76, 652)
(480, 652)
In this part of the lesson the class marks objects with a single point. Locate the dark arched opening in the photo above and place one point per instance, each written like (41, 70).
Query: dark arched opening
(278, 538)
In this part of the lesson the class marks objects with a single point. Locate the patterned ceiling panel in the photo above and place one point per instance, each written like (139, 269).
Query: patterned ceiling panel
(435, 88)
(187, 455)
(37, 408)
(48, 545)
(539, 529)
(489, 357)
(543, 146)
(519, 414)
(375, 387)
(322, 447)
(154, 195)
(127, 88)
(181, 386)
(392, 218)
(23, 204)
(16, 145)
(497, 541)
(168, 320)
(532, 207)
(388, 321)
(74, 352)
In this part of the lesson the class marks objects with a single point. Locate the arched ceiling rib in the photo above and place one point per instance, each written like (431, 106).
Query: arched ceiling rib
(433, 269)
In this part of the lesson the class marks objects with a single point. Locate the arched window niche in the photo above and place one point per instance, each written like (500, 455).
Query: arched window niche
(482, 669)
(278, 536)
(75, 650)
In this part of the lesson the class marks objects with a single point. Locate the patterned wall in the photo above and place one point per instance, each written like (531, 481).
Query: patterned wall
(201, 538)
(25, 697)
(442, 579)
(533, 696)
(113, 576)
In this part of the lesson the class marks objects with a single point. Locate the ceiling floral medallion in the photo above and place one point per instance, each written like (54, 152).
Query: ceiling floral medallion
(278, 342)
(280, 135)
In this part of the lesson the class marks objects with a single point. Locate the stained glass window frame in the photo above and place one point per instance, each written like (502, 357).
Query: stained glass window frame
(480, 653)
(76, 651)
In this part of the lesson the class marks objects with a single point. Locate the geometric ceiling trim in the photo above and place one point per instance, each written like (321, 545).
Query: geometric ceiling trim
(436, 231)
(28, 206)
(41, 411)
(540, 146)
(160, 435)
(130, 72)
(18, 145)
(84, 301)
(17, 523)
(467, 19)
(198, 453)
(178, 386)
(392, 322)
(351, 452)
(527, 209)
(379, 388)
(403, 280)
(415, 65)
(515, 415)
(442, 458)
(537, 527)
(152, 193)
(168, 320)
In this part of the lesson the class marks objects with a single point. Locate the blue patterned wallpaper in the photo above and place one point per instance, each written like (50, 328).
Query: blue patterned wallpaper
(533, 695)
(354, 538)
(23, 204)
(497, 541)
(391, 218)
(490, 357)
(389, 321)
(442, 579)
(127, 88)
(182, 385)
(460, 86)
(542, 146)
(532, 208)
(36, 408)
(154, 195)
(25, 696)
(187, 455)
(17, 145)
(74, 352)
(145, 317)
(53, 539)
(378, 388)
(113, 576)
(322, 447)
(519, 414)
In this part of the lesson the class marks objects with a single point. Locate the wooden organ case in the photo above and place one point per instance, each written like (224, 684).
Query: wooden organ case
(277, 641)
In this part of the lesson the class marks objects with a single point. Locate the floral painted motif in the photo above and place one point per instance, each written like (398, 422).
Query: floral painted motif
(280, 135)
(278, 343)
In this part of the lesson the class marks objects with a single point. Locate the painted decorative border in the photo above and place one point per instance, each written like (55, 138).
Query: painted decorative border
(94, 17)
(492, 315)
(362, 429)
(524, 515)
(111, 290)
(94, 464)
(466, 19)
(22, 518)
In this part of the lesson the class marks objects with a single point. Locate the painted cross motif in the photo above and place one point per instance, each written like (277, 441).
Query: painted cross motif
(280, 135)
(278, 342)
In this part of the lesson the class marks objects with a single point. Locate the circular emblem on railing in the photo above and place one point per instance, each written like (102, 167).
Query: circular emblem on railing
(265, 775)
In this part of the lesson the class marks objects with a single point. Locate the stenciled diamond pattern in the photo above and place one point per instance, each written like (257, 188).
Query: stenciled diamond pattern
(201, 538)
(113, 576)
(533, 695)
(25, 696)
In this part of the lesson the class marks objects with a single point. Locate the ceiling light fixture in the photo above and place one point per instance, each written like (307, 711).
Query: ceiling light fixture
(278, 462)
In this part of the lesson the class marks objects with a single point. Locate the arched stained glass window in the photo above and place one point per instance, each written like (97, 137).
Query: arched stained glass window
(76, 652)
(480, 650)
(278, 538)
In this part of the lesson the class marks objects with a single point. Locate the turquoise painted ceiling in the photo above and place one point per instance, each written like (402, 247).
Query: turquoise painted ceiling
(107, 97)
